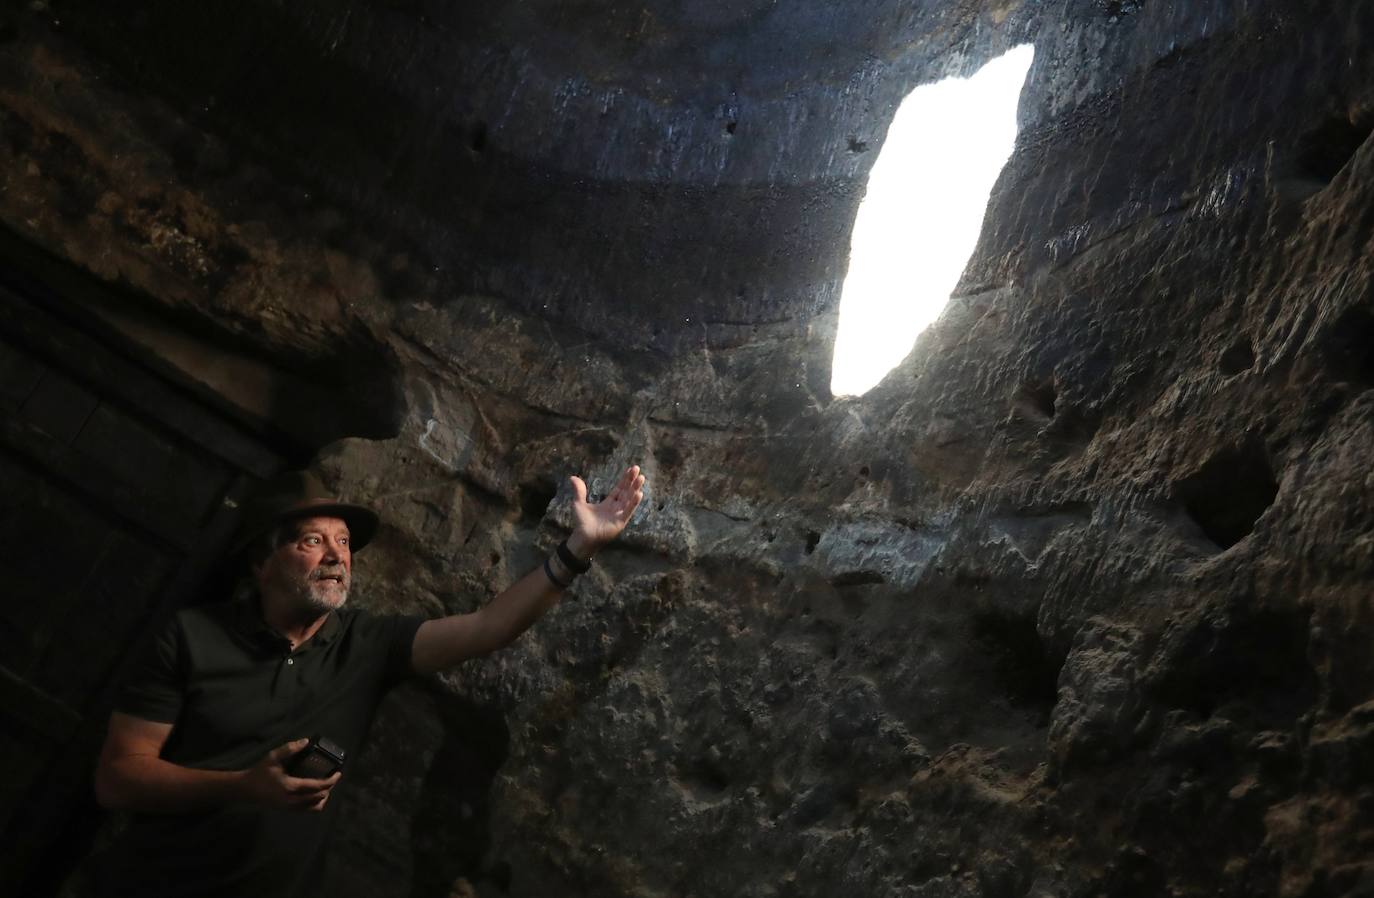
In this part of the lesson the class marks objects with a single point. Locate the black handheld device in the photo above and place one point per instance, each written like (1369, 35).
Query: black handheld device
(318, 760)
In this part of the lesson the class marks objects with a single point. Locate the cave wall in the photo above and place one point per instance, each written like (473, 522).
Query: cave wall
(1074, 603)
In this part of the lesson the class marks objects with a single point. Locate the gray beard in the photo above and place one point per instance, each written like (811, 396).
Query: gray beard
(319, 598)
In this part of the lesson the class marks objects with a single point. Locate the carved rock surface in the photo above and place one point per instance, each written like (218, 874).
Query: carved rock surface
(1075, 603)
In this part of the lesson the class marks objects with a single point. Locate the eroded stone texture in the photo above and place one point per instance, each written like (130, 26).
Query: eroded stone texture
(1075, 603)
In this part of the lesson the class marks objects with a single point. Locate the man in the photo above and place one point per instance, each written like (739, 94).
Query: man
(202, 737)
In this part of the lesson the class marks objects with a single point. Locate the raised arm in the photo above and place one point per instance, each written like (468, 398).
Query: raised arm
(131, 775)
(445, 642)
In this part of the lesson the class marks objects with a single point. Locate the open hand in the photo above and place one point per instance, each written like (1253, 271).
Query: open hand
(595, 524)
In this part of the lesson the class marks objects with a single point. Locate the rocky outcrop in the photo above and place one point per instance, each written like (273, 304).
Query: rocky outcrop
(1075, 603)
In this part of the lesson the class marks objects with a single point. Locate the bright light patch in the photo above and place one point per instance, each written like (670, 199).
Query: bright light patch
(921, 215)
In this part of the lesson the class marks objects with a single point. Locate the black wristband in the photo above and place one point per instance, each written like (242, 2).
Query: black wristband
(548, 572)
(571, 561)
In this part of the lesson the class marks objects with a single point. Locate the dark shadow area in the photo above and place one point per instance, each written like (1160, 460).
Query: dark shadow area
(284, 396)
(1350, 346)
(535, 497)
(823, 801)
(98, 451)
(706, 777)
(450, 830)
(1252, 669)
(114, 436)
(1026, 667)
(1238, 358)
(1227, 495)
(1324, 150)
(1134, 874)
(1072, 428)
(1038, 400)
(1343, 654)
(857, 578)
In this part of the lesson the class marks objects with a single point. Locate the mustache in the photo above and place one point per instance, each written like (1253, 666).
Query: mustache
(330, 572)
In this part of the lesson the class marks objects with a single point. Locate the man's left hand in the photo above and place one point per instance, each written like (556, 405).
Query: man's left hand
(597, 523)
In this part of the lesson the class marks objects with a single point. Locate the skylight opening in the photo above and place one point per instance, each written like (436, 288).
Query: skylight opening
(921, 215)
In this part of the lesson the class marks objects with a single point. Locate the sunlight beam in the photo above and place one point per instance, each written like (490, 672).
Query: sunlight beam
(921, 215)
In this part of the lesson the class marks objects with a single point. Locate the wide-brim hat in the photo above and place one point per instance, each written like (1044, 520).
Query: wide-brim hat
(300, 494)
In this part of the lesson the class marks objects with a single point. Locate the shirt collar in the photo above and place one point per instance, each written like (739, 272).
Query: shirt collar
(327, 632)
(249, 622)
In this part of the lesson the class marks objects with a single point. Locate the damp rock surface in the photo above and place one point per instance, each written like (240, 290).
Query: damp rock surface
(1075, 603)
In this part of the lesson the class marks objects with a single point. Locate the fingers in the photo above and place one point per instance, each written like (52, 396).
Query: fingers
(630, 481)
(633, 490)
(621, 485)
(312, 802)
(310, 795)
(635, 498)
(282, 752)
(302, 786)
(268, 783)
(627, 492)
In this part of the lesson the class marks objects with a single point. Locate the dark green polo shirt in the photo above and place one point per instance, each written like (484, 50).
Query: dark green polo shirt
(234, 690)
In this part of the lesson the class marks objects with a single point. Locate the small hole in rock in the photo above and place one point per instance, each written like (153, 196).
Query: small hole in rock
(863, 472)
(1324, 151)
(1026, 667)
(813, 539)
(730, 127)
(1350, 346)
(858, 146)
(1240, 357)
(1227, 495)
(1039, 399)
(535, 498)
(708, 776)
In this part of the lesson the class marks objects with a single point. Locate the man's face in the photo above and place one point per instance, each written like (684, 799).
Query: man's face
(314, 570)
